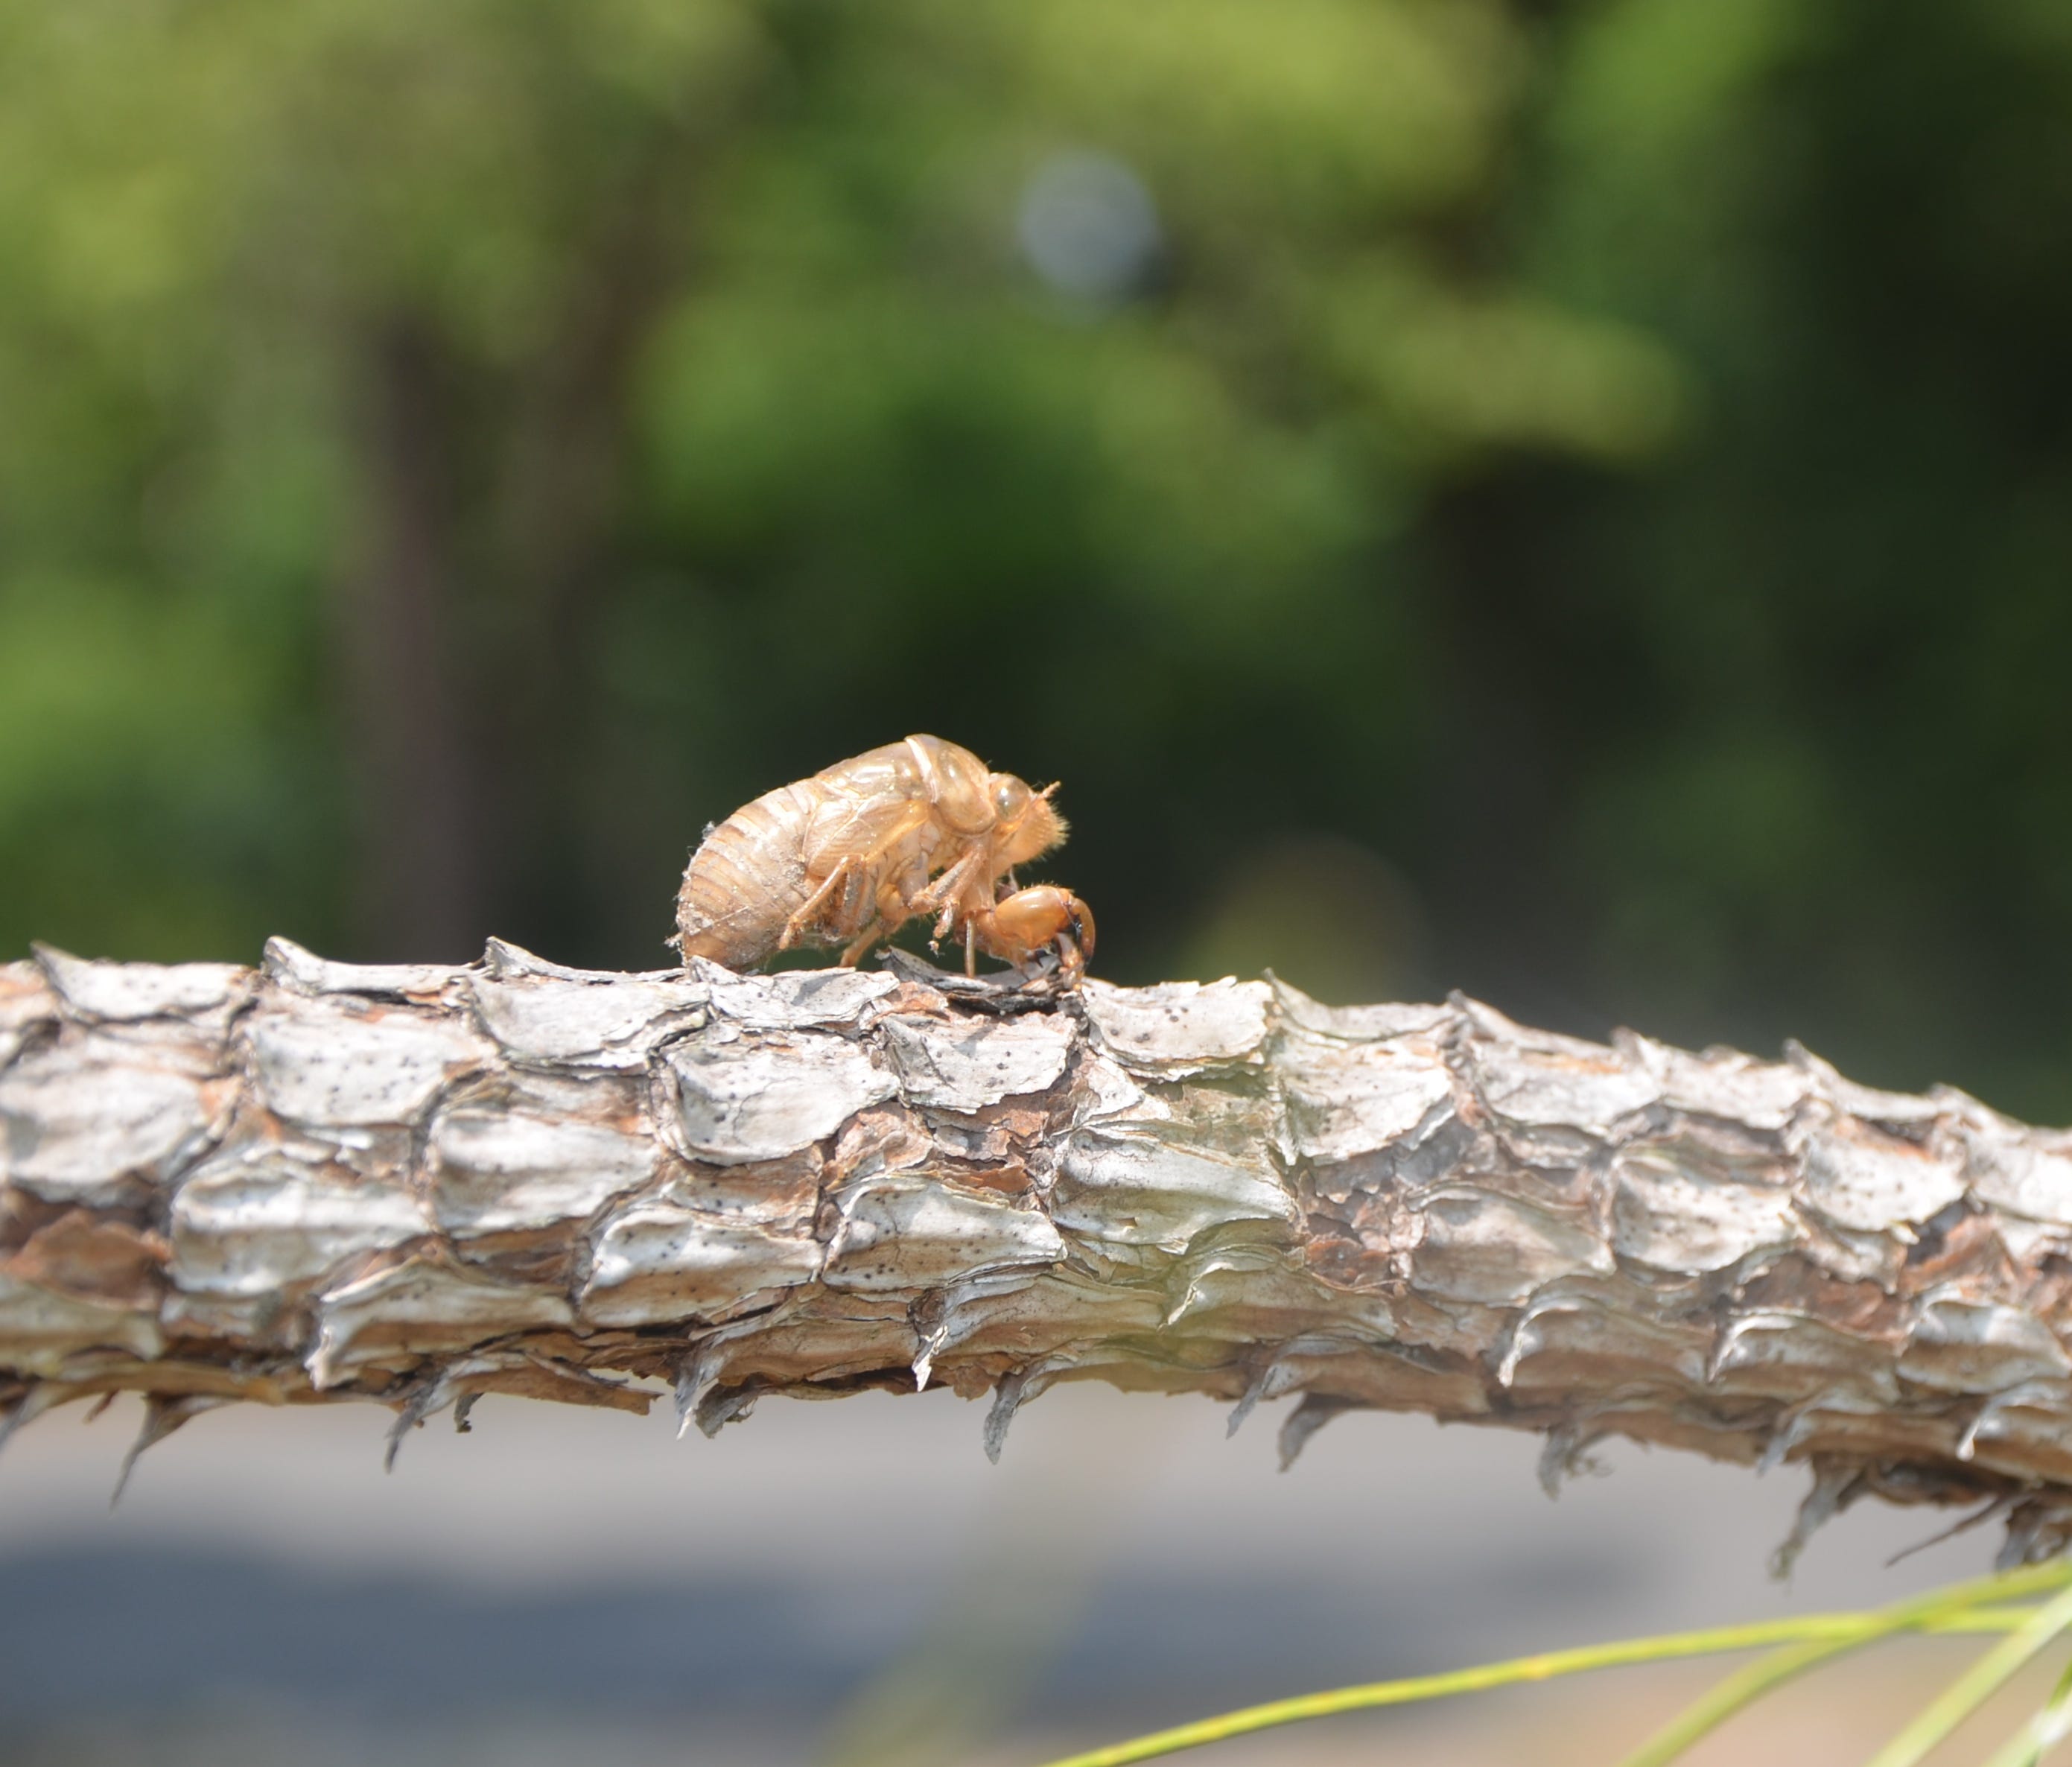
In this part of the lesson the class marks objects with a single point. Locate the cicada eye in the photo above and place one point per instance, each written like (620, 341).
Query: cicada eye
(1010, 798)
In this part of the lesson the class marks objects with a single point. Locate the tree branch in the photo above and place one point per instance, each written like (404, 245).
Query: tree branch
(416, 1185)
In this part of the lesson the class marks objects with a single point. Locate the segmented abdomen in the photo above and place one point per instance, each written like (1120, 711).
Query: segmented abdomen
(747, 879)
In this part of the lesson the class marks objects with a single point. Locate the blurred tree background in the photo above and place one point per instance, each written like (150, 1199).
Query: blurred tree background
(1572, 501)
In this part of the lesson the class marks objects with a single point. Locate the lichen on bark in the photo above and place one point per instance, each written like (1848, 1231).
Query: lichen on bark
(417, 1184)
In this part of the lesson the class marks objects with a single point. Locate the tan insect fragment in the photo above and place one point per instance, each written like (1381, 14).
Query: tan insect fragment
(847, 857)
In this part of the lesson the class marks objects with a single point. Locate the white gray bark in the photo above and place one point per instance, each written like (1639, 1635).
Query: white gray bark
(416, 1185)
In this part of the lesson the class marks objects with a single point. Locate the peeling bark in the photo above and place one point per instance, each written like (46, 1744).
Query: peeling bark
(415, 1184)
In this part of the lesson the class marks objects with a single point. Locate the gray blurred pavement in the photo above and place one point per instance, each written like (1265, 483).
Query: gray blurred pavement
(847, 1583)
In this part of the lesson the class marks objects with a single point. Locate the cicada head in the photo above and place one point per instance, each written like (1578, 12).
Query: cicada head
(1025, 823)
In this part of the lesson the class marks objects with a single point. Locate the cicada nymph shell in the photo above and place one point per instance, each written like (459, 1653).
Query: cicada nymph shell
(847, 857)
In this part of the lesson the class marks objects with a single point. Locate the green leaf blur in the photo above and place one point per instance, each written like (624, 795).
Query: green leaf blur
(1573, 502)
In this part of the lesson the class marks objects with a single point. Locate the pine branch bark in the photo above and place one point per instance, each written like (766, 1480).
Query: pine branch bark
(415, 1184)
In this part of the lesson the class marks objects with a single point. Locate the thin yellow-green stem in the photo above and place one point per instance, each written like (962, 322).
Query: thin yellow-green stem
(2043, 1732)
(1935, 1610)
(1743, 1687)
(1977, 1684)
(1548, 1665)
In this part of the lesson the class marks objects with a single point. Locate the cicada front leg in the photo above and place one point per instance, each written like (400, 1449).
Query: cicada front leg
(1019, 928)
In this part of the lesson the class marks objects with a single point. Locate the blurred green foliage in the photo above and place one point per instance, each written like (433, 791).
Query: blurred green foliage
(1572, 501)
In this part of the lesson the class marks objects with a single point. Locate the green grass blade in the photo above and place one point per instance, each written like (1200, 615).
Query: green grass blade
(1743, 1687)
(1806, 1628)
(1977, 1684)
(2043, 1732)
(1951, 1608)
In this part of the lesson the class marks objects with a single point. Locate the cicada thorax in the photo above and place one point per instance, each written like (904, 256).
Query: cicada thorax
(957, 784)
(878, 815)
(893, 816)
